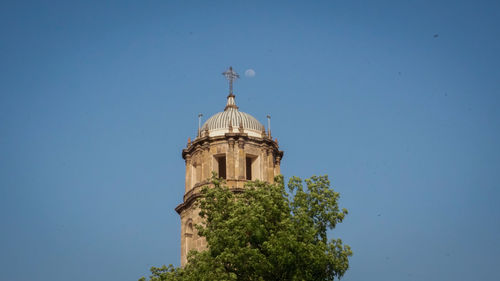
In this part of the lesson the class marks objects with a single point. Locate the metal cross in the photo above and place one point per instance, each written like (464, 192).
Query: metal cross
(230, 76)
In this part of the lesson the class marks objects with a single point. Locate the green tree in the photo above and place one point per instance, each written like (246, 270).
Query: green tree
(266, 232)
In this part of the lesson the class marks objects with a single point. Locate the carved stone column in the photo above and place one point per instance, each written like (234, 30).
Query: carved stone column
(277, 170)
(241, 159)
(270, 166)
(205, 165)
(196, 164)
(188, 173)
(263, 163)
(230, 159)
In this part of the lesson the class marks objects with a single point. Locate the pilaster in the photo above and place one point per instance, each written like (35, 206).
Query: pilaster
(277, 169)
(230, 159)
(241, 159)
(270, 166)
(189, 168)
(263, 162)
(206, 164)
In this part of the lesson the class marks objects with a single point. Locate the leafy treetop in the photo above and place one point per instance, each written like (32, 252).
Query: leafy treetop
(266, 232)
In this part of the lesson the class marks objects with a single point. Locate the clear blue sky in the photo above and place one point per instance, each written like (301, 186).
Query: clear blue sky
(398, 101)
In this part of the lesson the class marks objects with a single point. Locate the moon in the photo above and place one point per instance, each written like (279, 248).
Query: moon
(250, 73)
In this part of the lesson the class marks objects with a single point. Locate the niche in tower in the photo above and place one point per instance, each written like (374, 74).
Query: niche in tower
(220, 165)
(188, 237)
(195, 173)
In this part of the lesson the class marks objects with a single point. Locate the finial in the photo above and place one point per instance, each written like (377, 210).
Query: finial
(199, 124)
(269, 125)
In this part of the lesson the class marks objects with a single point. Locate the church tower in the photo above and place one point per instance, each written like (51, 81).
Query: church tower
(237, 147)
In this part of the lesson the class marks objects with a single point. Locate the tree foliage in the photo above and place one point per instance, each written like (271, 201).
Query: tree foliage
(266, 232)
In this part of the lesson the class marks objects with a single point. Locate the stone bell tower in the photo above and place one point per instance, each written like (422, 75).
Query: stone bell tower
(236, 146)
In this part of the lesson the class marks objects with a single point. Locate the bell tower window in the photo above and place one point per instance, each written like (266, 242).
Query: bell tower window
(249, 168)
(220, 165)
(252, 167)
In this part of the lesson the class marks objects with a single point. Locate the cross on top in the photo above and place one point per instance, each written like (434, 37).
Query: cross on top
(230, 76)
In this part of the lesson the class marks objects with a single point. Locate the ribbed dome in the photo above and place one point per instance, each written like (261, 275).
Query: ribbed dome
(231, 116)
(234, 118)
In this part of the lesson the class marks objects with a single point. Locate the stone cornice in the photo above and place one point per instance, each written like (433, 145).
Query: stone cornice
(202, 142)
(191, 196)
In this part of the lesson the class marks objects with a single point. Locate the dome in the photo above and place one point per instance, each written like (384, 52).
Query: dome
(219, 123)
